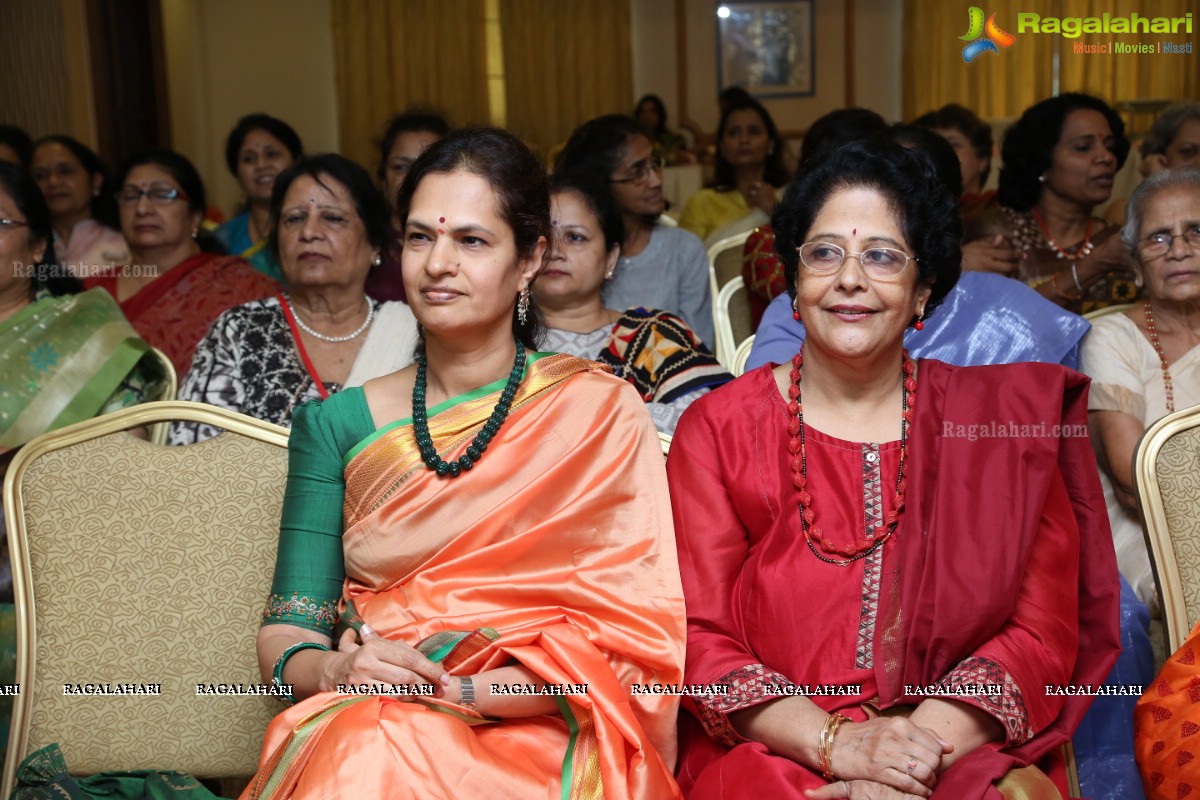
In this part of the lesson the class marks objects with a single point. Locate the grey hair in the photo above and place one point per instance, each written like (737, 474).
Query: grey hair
(1166, 128)
(1163, 180)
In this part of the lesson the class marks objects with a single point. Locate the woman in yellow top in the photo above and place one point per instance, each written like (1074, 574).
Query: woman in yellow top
(749, 172)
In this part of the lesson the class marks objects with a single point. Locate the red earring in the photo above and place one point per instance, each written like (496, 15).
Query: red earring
(919, 325)
(795, 312)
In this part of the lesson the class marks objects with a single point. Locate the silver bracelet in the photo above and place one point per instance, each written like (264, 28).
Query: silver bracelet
(466, 698)
(1075, 277)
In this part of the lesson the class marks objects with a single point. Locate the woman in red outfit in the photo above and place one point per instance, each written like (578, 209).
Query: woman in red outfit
(885, 562)
(171, 291)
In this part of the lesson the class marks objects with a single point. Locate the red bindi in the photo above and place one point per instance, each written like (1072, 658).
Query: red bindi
(441, 219)
(854, 232)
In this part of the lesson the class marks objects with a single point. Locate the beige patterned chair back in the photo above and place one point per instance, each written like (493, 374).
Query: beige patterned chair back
(1167, 471)
(135, 563)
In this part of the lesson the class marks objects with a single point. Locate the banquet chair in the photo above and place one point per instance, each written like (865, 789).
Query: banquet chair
(167, 391)
(725, 262)
(664, 440)
(137, 563)
(1166, 469)
(740, 356)
(732, 320)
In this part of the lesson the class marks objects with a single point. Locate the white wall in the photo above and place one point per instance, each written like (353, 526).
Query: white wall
(227, 58)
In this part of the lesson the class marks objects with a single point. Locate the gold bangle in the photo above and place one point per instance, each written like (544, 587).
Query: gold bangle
(825, 743)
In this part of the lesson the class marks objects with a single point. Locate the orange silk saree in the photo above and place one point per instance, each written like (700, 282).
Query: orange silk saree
(555, 551)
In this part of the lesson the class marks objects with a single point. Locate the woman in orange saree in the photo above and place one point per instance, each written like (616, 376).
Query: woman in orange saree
(488, 642)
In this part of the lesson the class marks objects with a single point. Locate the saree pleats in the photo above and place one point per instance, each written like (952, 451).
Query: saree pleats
(556, 552)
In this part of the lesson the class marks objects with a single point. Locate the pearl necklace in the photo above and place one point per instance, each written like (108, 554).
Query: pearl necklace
(334, 339)
(1080, 253)
(1162, 356)
(812, 535)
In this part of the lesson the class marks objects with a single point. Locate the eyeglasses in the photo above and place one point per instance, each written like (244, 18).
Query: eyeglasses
(824, 258)
(641, 171)
(1158, 244)
(12, 224)
(158, 195)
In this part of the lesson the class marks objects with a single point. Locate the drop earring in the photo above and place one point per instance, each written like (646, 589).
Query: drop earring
(795, 311)
(523, 305)
(919, 325)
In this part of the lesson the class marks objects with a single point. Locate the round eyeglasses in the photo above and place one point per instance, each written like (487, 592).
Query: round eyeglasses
(1158, 244)
(642, 170)
(824, 258)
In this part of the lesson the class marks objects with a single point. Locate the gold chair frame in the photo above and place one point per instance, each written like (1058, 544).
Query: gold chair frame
(1176, 620)
(144, 415)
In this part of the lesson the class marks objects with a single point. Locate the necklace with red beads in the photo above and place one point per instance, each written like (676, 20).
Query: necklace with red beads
(812, 534)
(1152, 329)
(1081, 252)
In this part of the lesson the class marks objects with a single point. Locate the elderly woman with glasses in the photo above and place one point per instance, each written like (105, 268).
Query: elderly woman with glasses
(883, 584)
(660, 266)
(171, 290)
(1145, 363)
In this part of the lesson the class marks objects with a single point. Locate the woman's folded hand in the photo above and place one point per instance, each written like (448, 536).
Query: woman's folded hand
(858, 790)
(889, 750)
(379, 660)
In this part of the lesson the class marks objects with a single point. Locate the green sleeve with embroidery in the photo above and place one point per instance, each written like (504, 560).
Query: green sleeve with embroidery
(309, 569)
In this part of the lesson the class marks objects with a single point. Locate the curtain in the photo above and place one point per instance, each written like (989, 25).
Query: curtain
(1002, 85)
(564, 63)
(393, 54)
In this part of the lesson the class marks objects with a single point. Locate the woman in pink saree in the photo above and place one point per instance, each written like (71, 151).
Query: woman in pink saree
(476, 561)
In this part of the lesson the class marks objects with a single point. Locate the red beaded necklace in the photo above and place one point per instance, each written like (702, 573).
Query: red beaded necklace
(812, 535)
(1152, 329)
(1080, 253)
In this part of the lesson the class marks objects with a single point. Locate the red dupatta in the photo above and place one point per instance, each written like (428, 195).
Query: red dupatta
(927, 624)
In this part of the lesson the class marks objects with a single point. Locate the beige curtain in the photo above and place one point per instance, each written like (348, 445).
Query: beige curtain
(393, 54)
(1000, 85)
(565, 61)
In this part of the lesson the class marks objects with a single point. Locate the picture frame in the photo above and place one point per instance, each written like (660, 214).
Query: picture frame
(767, 47)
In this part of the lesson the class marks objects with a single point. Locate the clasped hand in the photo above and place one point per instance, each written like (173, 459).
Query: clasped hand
(886, 758)
(382, 661)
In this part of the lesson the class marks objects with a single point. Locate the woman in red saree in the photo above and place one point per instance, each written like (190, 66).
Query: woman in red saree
(920, 549)
(171, 291)
(485, 536)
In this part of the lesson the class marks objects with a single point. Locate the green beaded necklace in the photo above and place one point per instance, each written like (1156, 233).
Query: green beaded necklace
(479, 444)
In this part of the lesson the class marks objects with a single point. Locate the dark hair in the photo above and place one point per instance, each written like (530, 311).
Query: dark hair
(19, 141)
(659, 108)
(732, 94)
(103, 205)
(184, 174)
(595, 147)
(286, 135)
(836, 128)
(1164, 129)
(412, 121)
(954, 117)
(927, 210)
(940, 152)
(519, 182)
(368, 202)
(19, 184)
(1029, 145)
(599, 201)
(774, 172)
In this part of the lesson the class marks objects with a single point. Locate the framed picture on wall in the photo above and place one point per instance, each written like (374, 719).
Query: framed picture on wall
(766, 47)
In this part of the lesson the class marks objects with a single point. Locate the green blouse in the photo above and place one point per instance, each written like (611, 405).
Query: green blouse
(309, 569)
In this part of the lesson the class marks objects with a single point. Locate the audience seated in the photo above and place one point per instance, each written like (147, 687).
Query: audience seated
(654, 350)
(265, 357)
(468, 530)
(831, 533)
(651, 115)
(15, 146)
(985, 319)
(1167, 722)
(75, 183)
(172, 290)
(406, 137)
(749, 172)
(1059, 161)
(971, 139)
(1145, 363)
(762, 270)
(1173, 141)
(258, 148)
(660, 266)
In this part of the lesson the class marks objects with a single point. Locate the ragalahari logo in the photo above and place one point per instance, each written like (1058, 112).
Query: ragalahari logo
(992, 37)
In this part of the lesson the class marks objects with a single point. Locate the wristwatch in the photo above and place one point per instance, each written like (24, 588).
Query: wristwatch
(466, 690)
